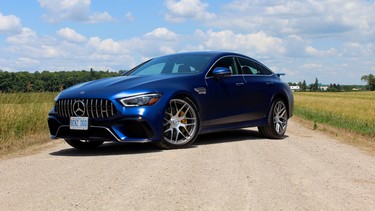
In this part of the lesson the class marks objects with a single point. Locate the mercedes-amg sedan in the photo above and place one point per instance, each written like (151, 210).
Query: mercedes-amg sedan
(170, 100)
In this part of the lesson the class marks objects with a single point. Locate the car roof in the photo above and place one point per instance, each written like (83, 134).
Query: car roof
(211, 53)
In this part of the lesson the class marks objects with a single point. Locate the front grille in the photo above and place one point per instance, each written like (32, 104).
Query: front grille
(93, 108)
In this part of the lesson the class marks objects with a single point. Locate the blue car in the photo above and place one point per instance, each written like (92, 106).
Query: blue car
(170, 100)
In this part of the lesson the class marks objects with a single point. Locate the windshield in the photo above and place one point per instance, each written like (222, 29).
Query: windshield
(173, 64)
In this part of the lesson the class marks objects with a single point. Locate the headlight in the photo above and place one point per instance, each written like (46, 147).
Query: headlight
(141, 100)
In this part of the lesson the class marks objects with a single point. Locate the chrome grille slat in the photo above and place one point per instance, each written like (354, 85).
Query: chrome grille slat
(70, 109)
(65, 108)
(106, 109)
(94, 108)
(111, 109)
(101, 106)
(87, 107)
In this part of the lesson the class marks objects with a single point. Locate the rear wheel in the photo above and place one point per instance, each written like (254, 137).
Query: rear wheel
(180, 125)
(277, 121)
(84, 144)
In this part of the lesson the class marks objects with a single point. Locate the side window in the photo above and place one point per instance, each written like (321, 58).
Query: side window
(227, 62)
(263, 70)
(249, 67)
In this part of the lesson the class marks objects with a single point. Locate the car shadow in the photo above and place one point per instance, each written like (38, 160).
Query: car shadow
(228, 136)
(111, 149)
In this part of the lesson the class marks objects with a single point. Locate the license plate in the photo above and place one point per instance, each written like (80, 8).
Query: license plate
(79, 123)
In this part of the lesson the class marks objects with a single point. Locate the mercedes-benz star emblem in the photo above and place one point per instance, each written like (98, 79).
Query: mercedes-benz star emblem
(79, 108)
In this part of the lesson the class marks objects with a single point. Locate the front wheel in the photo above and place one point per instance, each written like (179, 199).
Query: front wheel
(277, 121)
(84, 144)
(180, 125)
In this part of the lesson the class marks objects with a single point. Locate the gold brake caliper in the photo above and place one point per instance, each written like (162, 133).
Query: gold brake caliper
(183, 121)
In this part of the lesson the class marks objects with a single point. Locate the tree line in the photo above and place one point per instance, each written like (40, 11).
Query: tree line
(316, 86)
(47, 81)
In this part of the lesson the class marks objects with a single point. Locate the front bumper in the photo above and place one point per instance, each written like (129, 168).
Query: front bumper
(128, 125)
(124, 130)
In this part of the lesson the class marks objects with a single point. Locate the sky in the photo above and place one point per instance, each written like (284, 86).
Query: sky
(332, 40)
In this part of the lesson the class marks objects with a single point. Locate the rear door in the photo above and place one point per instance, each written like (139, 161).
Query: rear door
(259, 87)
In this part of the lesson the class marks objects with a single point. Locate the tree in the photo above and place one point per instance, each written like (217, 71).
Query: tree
(304, 86)
(315, 86)
(47, 81)
(370, 79)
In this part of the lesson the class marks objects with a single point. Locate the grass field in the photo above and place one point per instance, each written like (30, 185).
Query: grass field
(23, 120)
(352, 111)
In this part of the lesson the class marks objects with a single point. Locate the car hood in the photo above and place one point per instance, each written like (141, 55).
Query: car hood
(122, 86)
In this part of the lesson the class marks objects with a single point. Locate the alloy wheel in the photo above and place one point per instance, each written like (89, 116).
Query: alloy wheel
(180, 122)
(280, 118)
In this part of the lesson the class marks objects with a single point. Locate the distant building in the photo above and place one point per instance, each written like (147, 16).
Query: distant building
(323, 87)
(294, 88)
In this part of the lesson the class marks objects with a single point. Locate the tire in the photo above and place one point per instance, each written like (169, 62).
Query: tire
(84, 144)
(180, 125)
(277, 121)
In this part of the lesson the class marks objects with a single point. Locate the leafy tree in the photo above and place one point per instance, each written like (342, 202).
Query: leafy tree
(304, 86)
(370, 79)
(315, 86)
(334, 88)
(47, 81)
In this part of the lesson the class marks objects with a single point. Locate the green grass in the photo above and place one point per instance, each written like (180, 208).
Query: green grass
(23, 120)
(352, 111)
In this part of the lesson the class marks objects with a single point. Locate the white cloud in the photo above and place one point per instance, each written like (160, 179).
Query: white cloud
(74, 10)
(99, 17)
(26, 36)
(162, 33)
(312, 66)
(320, 53)
(166, 50)
(179, 11)
(9, 24)
(356, 49)
(71, 35)
(48, 51)
(308, 17)
(292, 8)
(258, 42)
(106, 46)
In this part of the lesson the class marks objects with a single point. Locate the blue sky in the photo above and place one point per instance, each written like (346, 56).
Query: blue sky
(333, 40)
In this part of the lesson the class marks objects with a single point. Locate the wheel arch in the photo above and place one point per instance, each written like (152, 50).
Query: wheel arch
(284, 98)
(189, 96)
(193, 99)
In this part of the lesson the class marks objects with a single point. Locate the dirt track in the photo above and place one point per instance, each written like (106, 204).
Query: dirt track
(235, 170)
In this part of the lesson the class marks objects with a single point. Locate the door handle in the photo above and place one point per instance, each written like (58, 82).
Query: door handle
(240, 84)
(269, 83)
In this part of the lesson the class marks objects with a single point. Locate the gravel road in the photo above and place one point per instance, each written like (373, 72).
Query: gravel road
(234, 170)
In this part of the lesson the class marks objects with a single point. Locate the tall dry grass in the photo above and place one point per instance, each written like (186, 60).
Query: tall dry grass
(353, 111)
(23, 119)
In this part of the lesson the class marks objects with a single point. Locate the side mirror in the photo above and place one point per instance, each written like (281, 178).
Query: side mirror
(220, 72)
